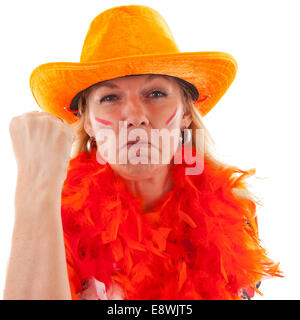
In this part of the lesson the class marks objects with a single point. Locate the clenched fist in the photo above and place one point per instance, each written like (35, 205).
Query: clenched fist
(42, 144)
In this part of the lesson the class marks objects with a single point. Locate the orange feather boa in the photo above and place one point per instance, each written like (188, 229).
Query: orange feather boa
(199, 242)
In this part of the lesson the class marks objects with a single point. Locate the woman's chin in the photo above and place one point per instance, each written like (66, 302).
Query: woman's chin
(137, 171)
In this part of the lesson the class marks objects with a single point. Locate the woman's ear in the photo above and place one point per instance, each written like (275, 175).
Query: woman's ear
(186, 120)
(88, 126)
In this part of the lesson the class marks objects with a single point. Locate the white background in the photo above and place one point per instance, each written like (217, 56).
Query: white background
(255, 125)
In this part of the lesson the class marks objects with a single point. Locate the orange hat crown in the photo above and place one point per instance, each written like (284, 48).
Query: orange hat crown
(127, 31)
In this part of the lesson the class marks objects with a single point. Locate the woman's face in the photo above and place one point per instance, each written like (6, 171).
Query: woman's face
(129, 109)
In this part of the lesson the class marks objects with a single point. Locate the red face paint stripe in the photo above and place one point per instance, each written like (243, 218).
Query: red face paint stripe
(172, 116)
(103, 121)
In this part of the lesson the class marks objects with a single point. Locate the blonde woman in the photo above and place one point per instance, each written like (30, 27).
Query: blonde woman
(143, 209)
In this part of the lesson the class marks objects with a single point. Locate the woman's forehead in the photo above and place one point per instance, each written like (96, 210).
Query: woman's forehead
(114, 83)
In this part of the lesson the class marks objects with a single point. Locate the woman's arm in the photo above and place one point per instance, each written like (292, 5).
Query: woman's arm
(37, 264)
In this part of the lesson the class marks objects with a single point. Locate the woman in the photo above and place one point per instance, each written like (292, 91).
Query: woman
(132, 215)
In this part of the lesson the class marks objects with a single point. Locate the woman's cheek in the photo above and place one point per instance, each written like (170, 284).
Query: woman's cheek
(103, 122)
(170, 136)
(105, 138)
(172, 118)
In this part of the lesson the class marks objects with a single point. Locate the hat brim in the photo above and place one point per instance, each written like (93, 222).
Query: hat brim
(55, 84)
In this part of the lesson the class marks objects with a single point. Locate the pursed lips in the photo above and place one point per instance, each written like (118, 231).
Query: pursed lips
(140, 142)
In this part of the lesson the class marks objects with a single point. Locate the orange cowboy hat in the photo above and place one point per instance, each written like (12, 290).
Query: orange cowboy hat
(130, 40)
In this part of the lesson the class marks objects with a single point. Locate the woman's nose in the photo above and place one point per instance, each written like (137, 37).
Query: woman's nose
(134, 113)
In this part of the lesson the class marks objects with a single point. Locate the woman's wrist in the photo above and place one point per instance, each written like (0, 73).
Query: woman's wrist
(37, 196)
(41, 178)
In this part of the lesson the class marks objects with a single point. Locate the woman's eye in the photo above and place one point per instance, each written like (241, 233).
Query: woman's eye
(158, 94)
(108, 98)
(153, 94)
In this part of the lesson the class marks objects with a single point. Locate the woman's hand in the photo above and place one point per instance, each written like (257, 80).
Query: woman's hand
(42, 144)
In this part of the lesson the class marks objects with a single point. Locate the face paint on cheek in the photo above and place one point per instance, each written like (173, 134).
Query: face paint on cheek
(102, 121)
(100, 127)
(104, 136)
(172, 119)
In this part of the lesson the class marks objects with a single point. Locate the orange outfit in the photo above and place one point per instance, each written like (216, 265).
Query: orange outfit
(199, 242)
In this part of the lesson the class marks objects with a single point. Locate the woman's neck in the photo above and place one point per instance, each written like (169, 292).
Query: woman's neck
(152, 189)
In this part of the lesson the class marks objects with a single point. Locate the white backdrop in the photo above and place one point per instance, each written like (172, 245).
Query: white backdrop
(255, 125)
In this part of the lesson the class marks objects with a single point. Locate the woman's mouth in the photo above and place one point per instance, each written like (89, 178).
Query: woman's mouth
(138, 143)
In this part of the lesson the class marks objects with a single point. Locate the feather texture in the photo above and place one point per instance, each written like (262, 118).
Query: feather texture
(199, 242)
